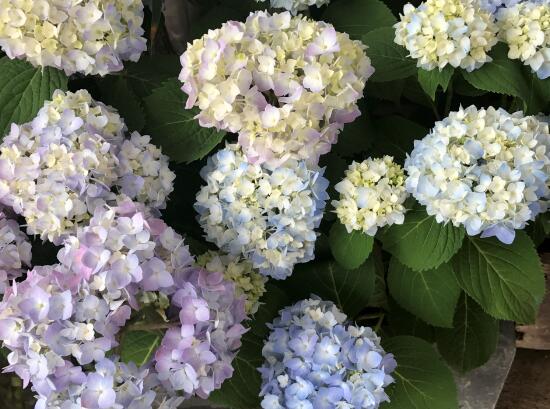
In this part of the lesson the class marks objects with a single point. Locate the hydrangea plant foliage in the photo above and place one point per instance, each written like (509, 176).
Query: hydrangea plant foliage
(318, 204)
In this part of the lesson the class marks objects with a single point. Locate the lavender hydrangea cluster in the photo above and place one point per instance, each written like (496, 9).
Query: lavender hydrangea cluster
(266, 214)
(195, 357)
(56, 169)
(485, 169)
(15, 250)
(285, 84)
(314, 360)
(84, 36)
(64, 319)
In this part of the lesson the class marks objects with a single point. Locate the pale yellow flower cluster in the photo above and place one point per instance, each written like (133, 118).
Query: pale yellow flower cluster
(371, 195)
(447, 32)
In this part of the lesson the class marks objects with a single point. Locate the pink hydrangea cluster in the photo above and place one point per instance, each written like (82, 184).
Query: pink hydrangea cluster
(15, 250)
(64, 320)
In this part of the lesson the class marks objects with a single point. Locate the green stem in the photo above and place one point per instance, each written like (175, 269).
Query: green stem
(142, 326)
(379, 323)
(449, 98)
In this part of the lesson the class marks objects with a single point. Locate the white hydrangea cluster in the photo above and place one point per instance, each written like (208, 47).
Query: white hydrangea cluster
(85, 36)
(442, 32)
(525, 27)
(295, 6)
(56, 169)
(285, 84)
(485, 169)
(15, 250)
(248, 282)
(266, 214)
(371, 195)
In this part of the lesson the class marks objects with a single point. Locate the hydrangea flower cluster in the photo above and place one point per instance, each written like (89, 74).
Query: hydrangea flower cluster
(314, 360)
(56, 169)
(371, 195)
(89, 37)
(15, 250)
(295, 6)
(266, 214)
(525, 27)
(64, 318)
(485, 169)
(285, 84)
(195, 358)
(442, 32)
(492, 6)
(248, 283)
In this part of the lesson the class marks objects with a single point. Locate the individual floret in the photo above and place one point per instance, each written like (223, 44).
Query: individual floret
(15, 250)
(88, 37)
(525, 27)
(314, 359)
(285, 84)
(484, 169)
(56, 169)
(295, 6)
(266, 214)
(371, 195)
(447, 32)
(248, 282)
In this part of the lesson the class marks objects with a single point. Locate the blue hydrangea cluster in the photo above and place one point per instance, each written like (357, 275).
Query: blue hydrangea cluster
(268, 214)
(314, 360)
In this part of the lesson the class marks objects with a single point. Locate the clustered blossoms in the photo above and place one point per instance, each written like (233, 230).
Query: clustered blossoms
(295, 6)
(56, 169)
(15, 250)
(442, 32)
(266, 214)
(371, 195)
(525, 27)
(248, 282)
(61, 319)
(196, 357)
(89, 36)
(314, 360)
(285, 84)
(485, 169)
(492, 6)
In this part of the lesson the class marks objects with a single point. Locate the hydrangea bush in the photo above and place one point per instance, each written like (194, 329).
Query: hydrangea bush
(303, 210)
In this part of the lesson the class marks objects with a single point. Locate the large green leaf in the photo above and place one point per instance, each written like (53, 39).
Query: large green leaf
(422, 243)
(242, 390)
(431, 80)
(350, 250)
(116, 91)
(23, 90)
(390, 60)
(349, 289)
(150, 72)
(422, 380)
(394, 135)
(430, 294)
(506, 280)
(505, 76)
(402, 322)
(473, 339)
(139, 346)
(358, 17)
(174, 128)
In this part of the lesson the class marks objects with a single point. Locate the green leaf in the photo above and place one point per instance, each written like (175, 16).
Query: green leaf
(174, 128)
(354, 138)
(473, 339)
(506, 280)
(422, 243)
(385, 91)
(139, 346)
(350, 250)
(358, 17)
(242, 390)
(431, 294)
(505, 76)
(116, 91)
(422, 380)
(390, 60)
(24, 89)
(350, 290)
(150, 72)
(430, 81)
(394, 135)
(402, 322)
